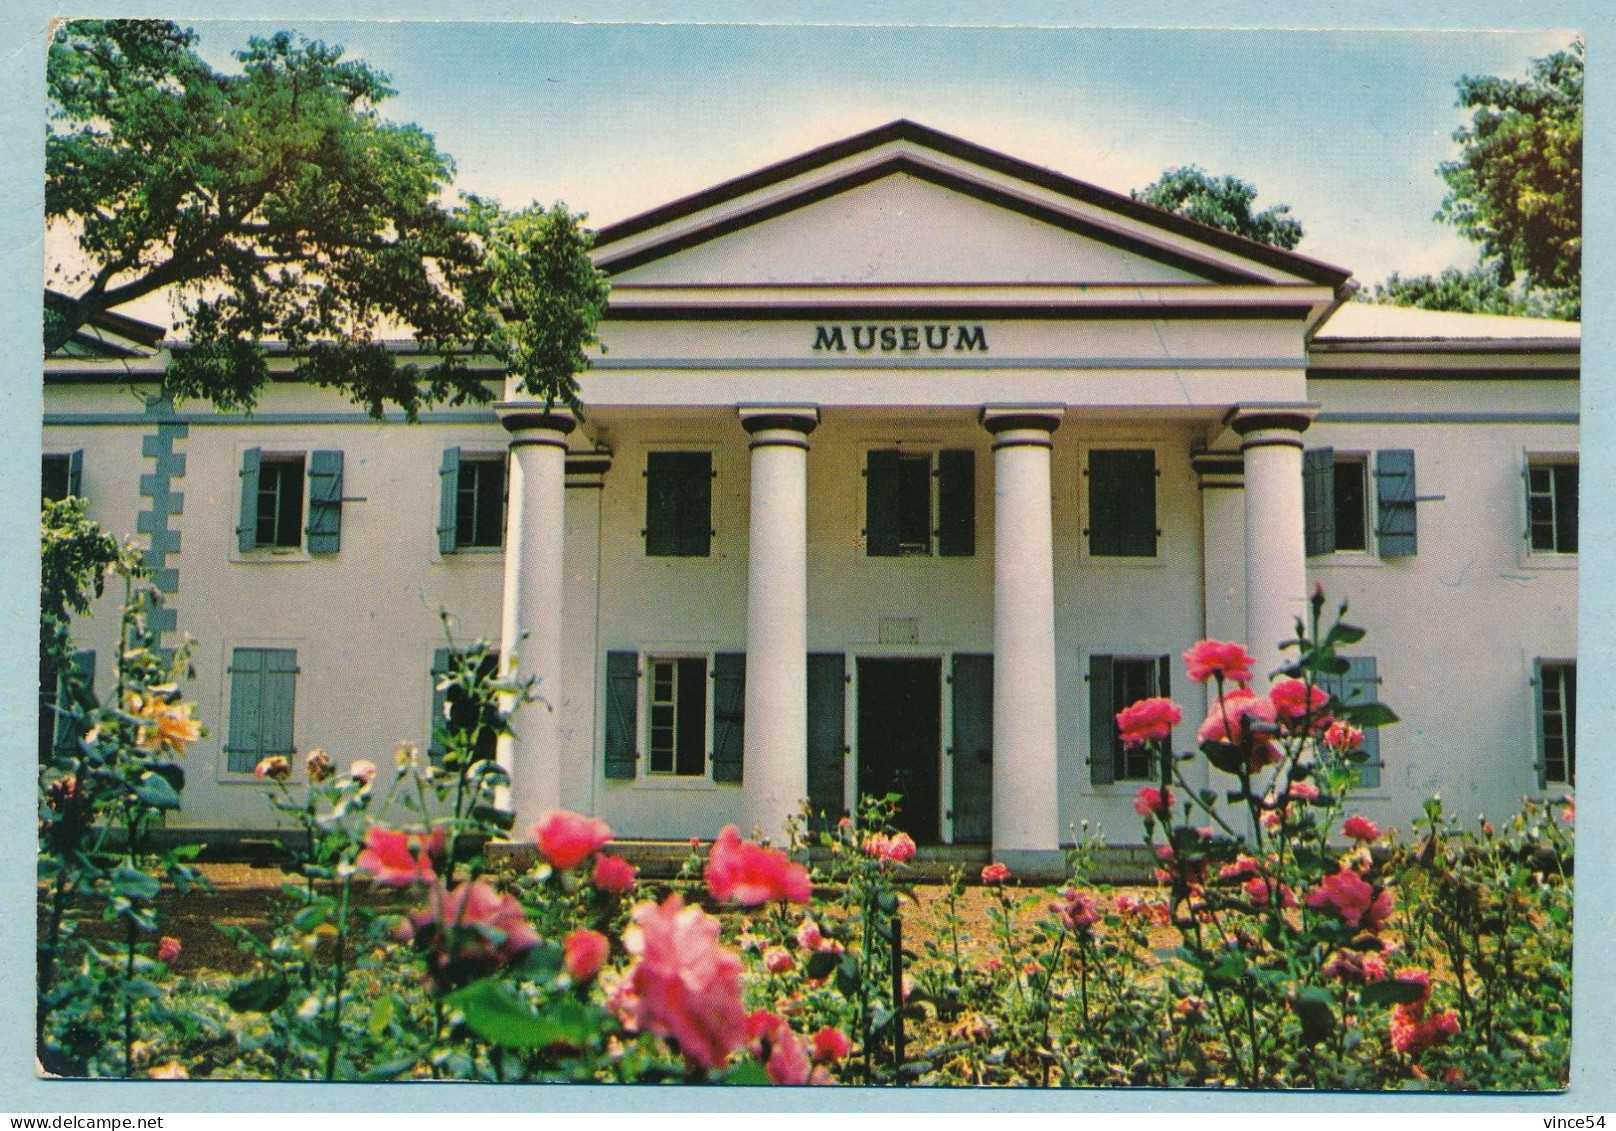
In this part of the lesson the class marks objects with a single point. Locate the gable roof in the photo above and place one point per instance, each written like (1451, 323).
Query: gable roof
(910, 141)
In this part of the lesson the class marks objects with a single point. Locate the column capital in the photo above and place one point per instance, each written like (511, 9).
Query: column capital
(527, 416)
(1219, 469)
(1008, 418)
(799, 418)
(1271, 418)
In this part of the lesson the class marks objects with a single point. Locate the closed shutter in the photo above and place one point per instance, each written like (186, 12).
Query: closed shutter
(247, 526)
(729, 715)
(80, 692)
(1318, 500)
(678, 504)
(75, 473)
(325, 502)
(448, 500)
(1541, 749)
(882, 505)
(1122, 503)
(1358, 685)
(280, 686)
(622, 715)
(1396, 525)
(971, 685)
(246, 710)
(442, 661)
(1102, 723)
(956, 504)
(827, 738)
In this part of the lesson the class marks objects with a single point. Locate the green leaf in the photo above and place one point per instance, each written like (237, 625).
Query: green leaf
(748, 1073)
(494, 1014)
(312, 916)
(132, 883)
(153, 789)
(391, 1070)
(1392, 991)
(1367, 715)
(847, 976)
(260, 995)
(1343, 633)
(821, 963)
(1312, 1008)
(1225, 758)
(501, 819)
(381, 1016)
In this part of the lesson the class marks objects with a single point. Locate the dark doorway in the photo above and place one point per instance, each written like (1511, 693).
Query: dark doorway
(899, 738)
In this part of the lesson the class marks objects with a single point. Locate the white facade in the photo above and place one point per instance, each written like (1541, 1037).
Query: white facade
(882, 307)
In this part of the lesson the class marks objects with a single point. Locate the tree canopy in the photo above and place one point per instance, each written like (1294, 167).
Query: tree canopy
(280, 207)
(1223, 202)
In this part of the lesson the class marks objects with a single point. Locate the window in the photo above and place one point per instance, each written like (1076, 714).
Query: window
(678, 504)
(1116, 682)
(675, 714)
(455, 712)
(1122, 503)
(57, 732)
(1360, 684)
(1336, 498)
(262, 704)
(1556, 722)
(272, 501)
(60, 476)
(1551, 507)
(678, 703)
(905, 490)
(471, 501)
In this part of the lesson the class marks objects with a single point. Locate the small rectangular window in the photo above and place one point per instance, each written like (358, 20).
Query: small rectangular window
(280, 501)
(920, 503)
(263, 685)
(480, 502)
(678, 715)
(1551, 507)
(1350, 475)
(1122, 503)
(55, 478)
(1557, 723)
(678, 504)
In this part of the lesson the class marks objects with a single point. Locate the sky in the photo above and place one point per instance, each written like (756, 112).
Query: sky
(1345, 127)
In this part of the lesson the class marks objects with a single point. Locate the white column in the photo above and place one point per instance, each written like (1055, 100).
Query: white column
(775, 767)
(1276, 556)
(531, 620)
(1026, 806)
(1223, 544)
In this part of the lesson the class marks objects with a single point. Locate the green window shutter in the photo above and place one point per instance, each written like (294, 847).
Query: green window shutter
(448, 500)
(442, 660)
(1102, 723)
(622, 715)
(325, 502)
(729, 715)
(1537, 722)
(1318, 500)
(956, 504)
(1396, 528)
(678, 504)
(79, 685)
(247, 526)
(1358, 685)
(827, 738)
(1122, 503)
(246, 710)
(971, 686)
(881, 505)
(75, 473)
(280, 686)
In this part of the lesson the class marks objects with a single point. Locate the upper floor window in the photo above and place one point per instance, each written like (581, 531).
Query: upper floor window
(920, 503)
(1337, 494)
(273, 495)
(678, 504)
(1122, 503)
(1551, 506)
(60, 476)
(280, 501)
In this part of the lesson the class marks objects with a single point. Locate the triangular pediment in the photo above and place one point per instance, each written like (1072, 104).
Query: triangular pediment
(906, 205)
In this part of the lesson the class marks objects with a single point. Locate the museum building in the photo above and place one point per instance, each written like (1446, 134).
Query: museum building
(907, 465)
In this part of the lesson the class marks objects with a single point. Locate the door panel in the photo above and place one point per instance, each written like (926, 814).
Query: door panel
(900, 736)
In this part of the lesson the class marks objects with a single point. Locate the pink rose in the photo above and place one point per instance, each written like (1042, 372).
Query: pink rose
(568, 839)
(1217, 658)
(1305, 790)
(777, 960)
(995, 874)
(1241, 868)
(1360, 828)
(168, 949)
(808, 935)
(830, 1045)
(685, 985)
(585, 953)
(401, 858)
(751, 875)
(1294, 700)
(1149, 720)
(614, 874)
(1349, 898)
(1149, 802)
(1077, 910)
(901, 848)
(470, 932)
(778, 1049)
(1356, 967)
(1230, 723)
(1257, 890)
(1342, 737)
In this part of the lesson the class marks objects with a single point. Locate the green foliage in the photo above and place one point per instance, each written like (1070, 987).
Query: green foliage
(281, 208)
(1223, 202)
(1516, 187)
(1477, 291)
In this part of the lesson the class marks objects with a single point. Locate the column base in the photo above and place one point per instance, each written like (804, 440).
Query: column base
(1039, 865)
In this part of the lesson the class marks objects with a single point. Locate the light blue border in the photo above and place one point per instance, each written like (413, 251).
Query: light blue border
(23, 25)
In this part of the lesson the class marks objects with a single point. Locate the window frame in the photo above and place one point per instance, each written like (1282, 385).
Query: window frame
(474, 457)
(1366, 511)
(72, 467)
(674, 448)
(283, 462)
(1120, 766)
(647, 773)
(227, 690)
(1085, 514)
(914, 452)
(1549, 461)
(1546, 668)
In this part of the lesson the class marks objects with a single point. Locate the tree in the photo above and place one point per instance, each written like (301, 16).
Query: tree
(1516, 188)
(1223, 202)
(1476, 291)
(280, 207)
